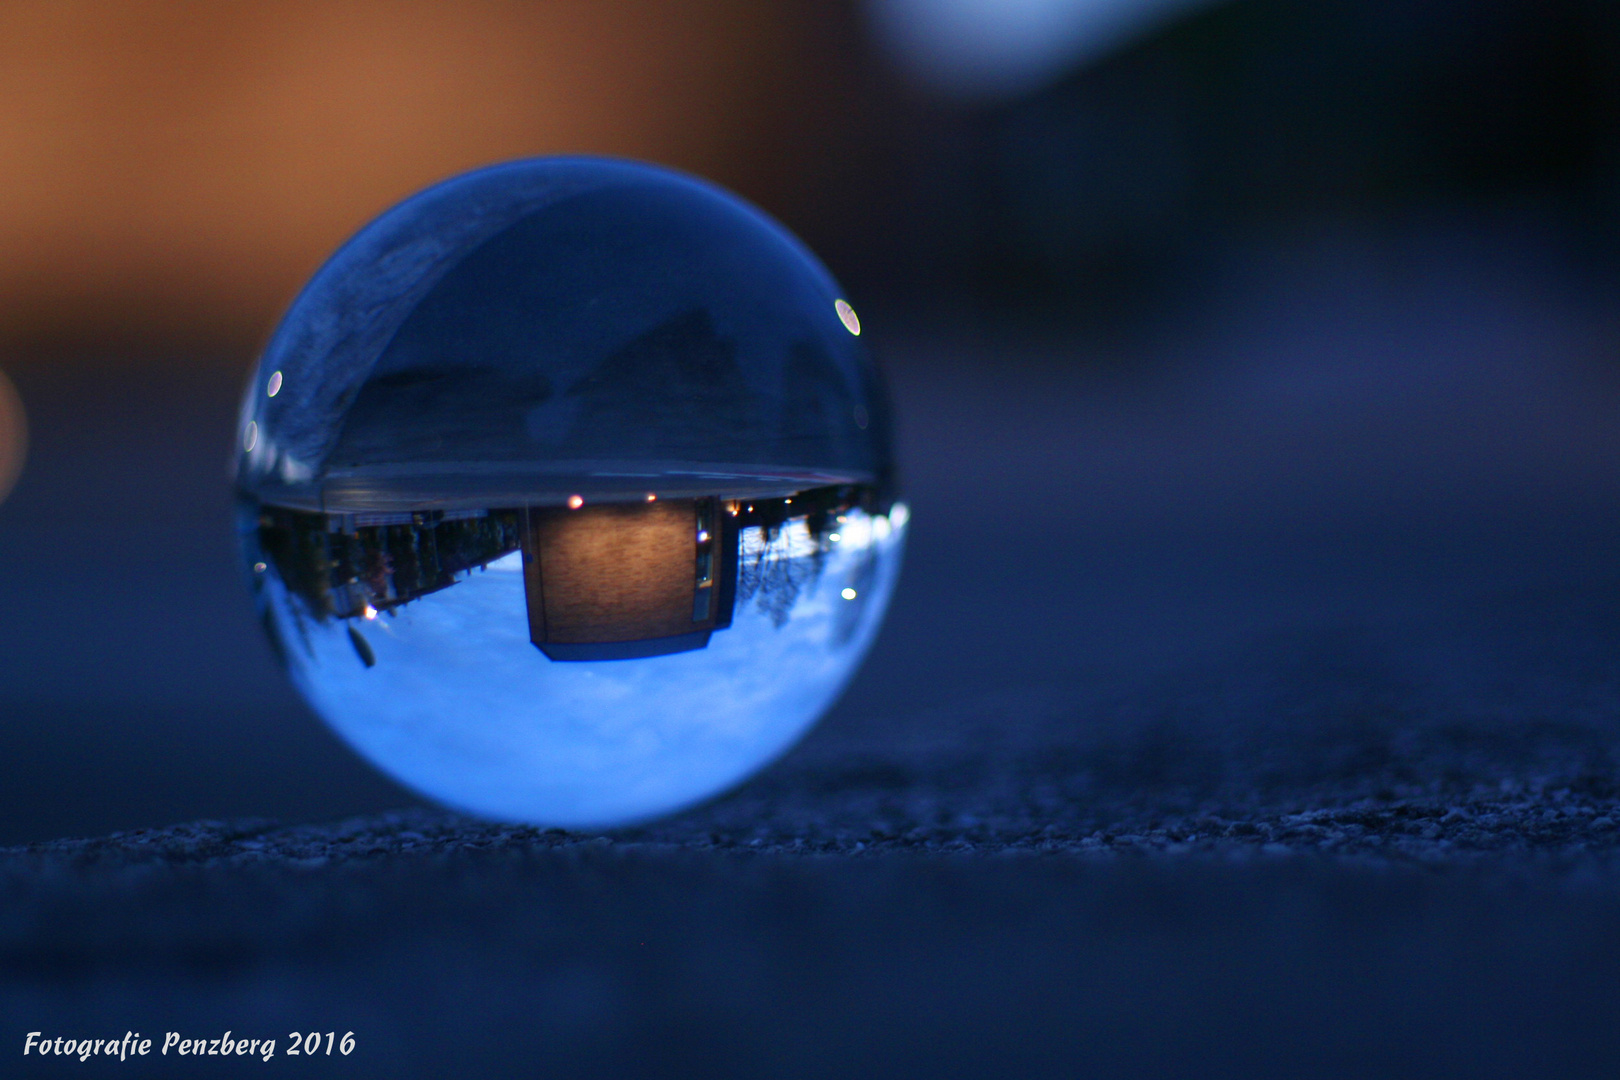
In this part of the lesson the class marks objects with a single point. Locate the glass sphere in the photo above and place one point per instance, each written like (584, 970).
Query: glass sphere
(567, 494)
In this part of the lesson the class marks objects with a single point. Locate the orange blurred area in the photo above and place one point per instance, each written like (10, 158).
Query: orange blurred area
(174, 170)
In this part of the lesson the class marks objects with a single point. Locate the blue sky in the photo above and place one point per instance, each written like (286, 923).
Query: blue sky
(463, 708)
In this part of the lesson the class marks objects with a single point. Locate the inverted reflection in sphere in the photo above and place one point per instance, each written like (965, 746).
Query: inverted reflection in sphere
(567, 492)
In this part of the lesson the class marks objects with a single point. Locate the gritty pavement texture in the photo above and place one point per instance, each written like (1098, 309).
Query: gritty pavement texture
(1256, 717)
(1386, 853)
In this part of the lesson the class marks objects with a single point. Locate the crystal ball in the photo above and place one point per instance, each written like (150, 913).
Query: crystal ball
(567, 493)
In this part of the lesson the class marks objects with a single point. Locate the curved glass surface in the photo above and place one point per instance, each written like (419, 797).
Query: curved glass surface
(567, 491)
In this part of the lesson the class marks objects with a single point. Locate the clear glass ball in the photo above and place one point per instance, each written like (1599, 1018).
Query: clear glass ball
(567, 491)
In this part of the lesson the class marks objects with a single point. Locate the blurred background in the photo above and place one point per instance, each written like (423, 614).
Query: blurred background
(1225, 314)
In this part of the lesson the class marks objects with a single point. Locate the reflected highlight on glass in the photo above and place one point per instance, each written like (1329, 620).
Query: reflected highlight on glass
(567, 491)
(13, 436)
(847, 316)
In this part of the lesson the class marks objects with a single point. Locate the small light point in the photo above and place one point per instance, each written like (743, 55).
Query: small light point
(846, 315)
(250, 437)
(652, 496)
(848, 594)
(273, 387)
(575, 502)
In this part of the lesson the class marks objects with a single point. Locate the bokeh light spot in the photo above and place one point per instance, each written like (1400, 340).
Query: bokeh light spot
(846, 315)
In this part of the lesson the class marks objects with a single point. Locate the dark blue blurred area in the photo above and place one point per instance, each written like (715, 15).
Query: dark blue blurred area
(1097, 199)
(1250, 703)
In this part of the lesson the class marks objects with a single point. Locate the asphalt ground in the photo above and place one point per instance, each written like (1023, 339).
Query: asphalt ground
(1248, 707)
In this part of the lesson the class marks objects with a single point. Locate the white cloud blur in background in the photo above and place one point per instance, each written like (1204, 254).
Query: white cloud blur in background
(991, 50)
